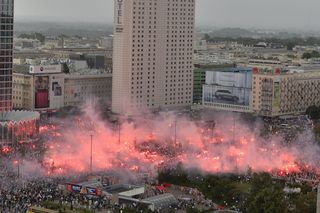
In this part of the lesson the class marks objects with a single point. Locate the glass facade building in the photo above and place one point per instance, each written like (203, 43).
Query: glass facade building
(6, 52)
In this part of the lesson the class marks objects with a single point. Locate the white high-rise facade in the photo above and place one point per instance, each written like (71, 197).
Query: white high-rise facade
(152, 59)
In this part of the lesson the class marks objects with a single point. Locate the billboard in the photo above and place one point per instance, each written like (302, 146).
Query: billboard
(41, 92)
(227, 95)
(56, 91)
(228, 88)
(48, 91)
(45, 69)
(75, 188)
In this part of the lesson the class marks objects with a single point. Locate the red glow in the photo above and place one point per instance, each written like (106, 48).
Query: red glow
(6, 150)
(147, 147)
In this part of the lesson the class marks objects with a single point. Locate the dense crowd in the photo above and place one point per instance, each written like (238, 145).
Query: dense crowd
(18, 195)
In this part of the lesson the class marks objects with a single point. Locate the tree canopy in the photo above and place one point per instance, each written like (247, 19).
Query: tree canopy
(37, 36)
(313, 54)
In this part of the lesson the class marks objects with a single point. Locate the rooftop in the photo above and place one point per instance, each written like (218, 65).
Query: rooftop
(163, 200)
(18, 116)
(115, 189)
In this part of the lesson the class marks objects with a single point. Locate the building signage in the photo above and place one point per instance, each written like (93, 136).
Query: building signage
(119, 15)
(45, 69)
(74, 188)
(83, 190)
(94, 191)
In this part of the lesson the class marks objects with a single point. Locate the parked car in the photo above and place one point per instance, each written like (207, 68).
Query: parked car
(226, 95)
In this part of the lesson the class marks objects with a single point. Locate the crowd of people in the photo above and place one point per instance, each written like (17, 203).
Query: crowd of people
(18, 194)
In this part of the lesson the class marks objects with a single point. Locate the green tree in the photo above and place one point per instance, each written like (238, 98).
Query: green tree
(313, 112)
(290, 45)
(40, 37)
(37, 36)
(306, 55)
(269, 200)
(206, 37)
(317, 131)
(265, 196)
(259, 182)
(313, 54)
(65, 68)
(306, 203)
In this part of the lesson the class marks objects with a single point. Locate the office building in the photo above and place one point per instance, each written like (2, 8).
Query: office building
(152, 59)
(16, 128)
(46, 88)
(6, 49)
(40, 89)
(80, 88)
(278, 92)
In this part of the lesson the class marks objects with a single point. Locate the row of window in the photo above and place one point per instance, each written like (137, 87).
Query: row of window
(6, 20)
(5, 66)
(6, 27)
(6, 34)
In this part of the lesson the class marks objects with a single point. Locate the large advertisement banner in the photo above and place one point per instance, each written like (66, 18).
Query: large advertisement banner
(227, 95)
(74, 188)
(41, 92)
(57, 89)
(228, 88)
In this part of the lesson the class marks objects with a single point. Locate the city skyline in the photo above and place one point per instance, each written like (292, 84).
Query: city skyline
(219, 13)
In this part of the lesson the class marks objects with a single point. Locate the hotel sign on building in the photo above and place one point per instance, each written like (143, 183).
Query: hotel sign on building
(119, 15)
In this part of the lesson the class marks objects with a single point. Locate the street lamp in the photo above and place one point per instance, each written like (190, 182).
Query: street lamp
(17, 162)
(119, 132)
(91, 137)
(175, 132)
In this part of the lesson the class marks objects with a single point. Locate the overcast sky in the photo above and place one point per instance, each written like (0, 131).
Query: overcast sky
(296, 14)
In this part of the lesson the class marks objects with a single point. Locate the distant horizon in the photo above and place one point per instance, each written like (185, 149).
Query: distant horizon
(260, 14)
(212, 27)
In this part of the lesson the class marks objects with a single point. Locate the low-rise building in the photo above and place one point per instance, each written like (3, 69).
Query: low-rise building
(47, 88)
(278, 92)
(21, 92)
(200, 44)
(41, 88)
(79, 88)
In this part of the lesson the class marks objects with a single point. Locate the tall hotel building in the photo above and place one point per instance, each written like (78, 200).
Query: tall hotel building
(6, 49)
(153, 48)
